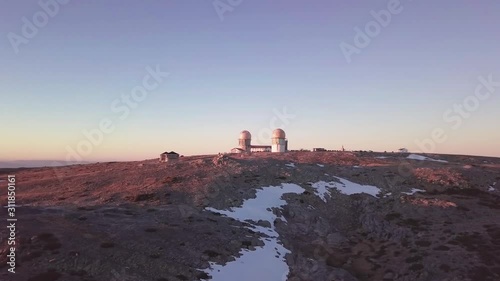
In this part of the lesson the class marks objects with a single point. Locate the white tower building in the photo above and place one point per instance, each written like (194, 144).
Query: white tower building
(279, 141)
(245, 141)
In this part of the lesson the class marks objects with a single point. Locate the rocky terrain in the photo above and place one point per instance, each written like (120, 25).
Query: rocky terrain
(148, 221)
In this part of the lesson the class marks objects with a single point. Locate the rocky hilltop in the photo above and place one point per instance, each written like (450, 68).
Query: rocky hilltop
(339, 216)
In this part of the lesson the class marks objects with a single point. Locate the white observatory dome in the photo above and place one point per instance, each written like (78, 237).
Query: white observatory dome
(245, 135)
(279, 134)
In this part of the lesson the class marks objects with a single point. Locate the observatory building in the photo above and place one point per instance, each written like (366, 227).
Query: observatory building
(245, 140)
(279, 143)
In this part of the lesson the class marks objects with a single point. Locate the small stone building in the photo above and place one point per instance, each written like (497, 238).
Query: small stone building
(169, 156)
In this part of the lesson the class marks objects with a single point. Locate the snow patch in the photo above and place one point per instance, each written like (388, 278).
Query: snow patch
(267, 262)
(423, 158)
(381, 157)
(320, 165)
(345, 187)
(349, 188)
(322, 189)
(356, 167)
(413, 191)
(291, 165)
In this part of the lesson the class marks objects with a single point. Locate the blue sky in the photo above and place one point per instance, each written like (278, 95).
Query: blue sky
(233, 74)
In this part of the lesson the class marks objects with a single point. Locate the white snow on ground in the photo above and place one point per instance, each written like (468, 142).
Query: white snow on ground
(321, 165)
(322, 189)
(345, 187)
(423, 158)
(267, 262)
(349, 187)
(417, 157)
(413, 191)
(381, 157)
(291, 165)
(356, 167)
(492, 187)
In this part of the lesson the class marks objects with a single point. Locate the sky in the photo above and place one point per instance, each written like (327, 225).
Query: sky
(127, 80)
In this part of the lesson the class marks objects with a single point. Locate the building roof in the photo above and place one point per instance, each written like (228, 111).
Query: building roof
(260, 146)
(170, 153)
(279, 134)
(245, 135)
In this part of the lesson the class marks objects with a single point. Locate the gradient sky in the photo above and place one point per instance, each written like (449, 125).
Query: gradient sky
(232, 74)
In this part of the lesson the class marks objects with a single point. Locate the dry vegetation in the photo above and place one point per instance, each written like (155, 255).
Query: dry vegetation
(146, 221)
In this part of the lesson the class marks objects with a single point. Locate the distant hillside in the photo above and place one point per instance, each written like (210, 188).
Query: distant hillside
(37, 163)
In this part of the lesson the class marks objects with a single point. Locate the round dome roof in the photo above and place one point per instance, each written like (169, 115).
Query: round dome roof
(279, 134)
(245, 135)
